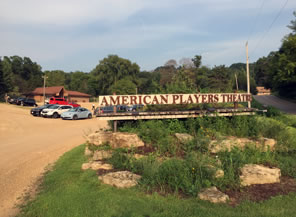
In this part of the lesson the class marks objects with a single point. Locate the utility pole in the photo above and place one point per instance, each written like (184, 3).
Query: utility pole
(44, 81)
(248, 74)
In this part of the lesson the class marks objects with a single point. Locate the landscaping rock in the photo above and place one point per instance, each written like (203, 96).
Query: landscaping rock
(258, 174)
(87, 152)
(85, 166)
(96, 165)
(139, 156)
(101, 155)
(228, 143)
(183, 137)
(115, 140)
(121, 179)
(219, 173)
(213, 195)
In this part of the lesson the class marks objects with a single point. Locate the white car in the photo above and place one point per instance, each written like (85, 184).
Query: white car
(55, 111)
(76, 113)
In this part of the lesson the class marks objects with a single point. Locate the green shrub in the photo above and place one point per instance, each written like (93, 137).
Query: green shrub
(287, 163)
(272, 128)
(235, 159)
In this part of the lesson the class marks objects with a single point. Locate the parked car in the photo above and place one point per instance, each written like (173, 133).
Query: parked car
(137, 107)
(123, 108)
(12, 100)
(62, 101)
(55, 111)
(103, 110)
(76, 113)
(37, 111)
(29, 102)
(19, 100)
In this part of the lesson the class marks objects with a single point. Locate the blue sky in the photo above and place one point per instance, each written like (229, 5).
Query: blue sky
(75, 35)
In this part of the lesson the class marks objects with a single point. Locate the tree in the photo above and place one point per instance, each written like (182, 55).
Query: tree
(124, 87)
(219, 79)
(182, 82)
(79, 81)
(171, 62)
(3, 87)
(197, 61)
(55, 78)
(187, 63)
(112, 69)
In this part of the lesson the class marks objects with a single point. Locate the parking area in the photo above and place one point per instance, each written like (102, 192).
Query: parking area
(28, 144)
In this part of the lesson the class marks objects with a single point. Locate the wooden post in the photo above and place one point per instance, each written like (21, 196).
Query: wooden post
(114, 122)
(248, 74)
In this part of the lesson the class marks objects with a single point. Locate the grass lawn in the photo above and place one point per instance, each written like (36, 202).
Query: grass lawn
(67, 191)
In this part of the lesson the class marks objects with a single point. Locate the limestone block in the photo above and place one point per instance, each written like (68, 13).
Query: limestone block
(87, 152)
(85, 166)
(96, 165)
(183, 137)
(228, 143)
(102, 154)
(213, 195)
(121, 179)
(258, 174)
(115, 140)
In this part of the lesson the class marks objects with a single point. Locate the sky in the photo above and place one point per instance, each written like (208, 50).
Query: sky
(74, 35)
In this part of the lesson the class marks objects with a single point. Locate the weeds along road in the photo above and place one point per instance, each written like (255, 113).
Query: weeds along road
(283, 105)
(28, 144)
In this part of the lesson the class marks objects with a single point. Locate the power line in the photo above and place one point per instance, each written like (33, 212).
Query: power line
(267, 31)
(256, 20)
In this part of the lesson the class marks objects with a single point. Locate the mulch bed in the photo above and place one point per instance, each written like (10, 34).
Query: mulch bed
(262, 192)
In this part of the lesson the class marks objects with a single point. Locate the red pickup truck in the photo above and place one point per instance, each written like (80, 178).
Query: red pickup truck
(62, 101)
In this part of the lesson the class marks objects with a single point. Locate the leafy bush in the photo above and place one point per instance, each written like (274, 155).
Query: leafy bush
(235, 159)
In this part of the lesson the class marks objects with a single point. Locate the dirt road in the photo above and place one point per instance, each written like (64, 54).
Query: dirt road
(283, 105)
(28, 144)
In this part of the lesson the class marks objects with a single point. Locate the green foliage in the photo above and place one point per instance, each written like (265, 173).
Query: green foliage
(235, 159)
(112, 69)
(124, 87)
(68, 191)
(20, 74)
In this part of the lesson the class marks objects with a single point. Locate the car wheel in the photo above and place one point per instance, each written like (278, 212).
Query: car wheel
(55, 115)
(89, 116)
(75, 117)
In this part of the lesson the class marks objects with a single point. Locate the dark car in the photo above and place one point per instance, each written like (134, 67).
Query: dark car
(137, 107)
(28, 102)
(12, 100)
(103, 110)
(19, 100)
(37, 111)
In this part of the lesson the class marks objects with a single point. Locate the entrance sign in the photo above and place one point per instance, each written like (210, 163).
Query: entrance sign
(165, 99)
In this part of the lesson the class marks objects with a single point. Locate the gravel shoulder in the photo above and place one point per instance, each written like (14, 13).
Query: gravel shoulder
(29, 144)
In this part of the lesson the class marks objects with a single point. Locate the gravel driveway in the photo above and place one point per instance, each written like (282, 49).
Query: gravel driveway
(28, 144)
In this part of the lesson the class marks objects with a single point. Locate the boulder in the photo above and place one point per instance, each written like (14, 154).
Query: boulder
(87, 152)
(213, 195)
(139, 156)
(219, 174)
(115, 140)
(102, 154)
(85, 166)
(121, 179)
(96, 165)
(228, 143)
(258, 174)
(183, 137)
